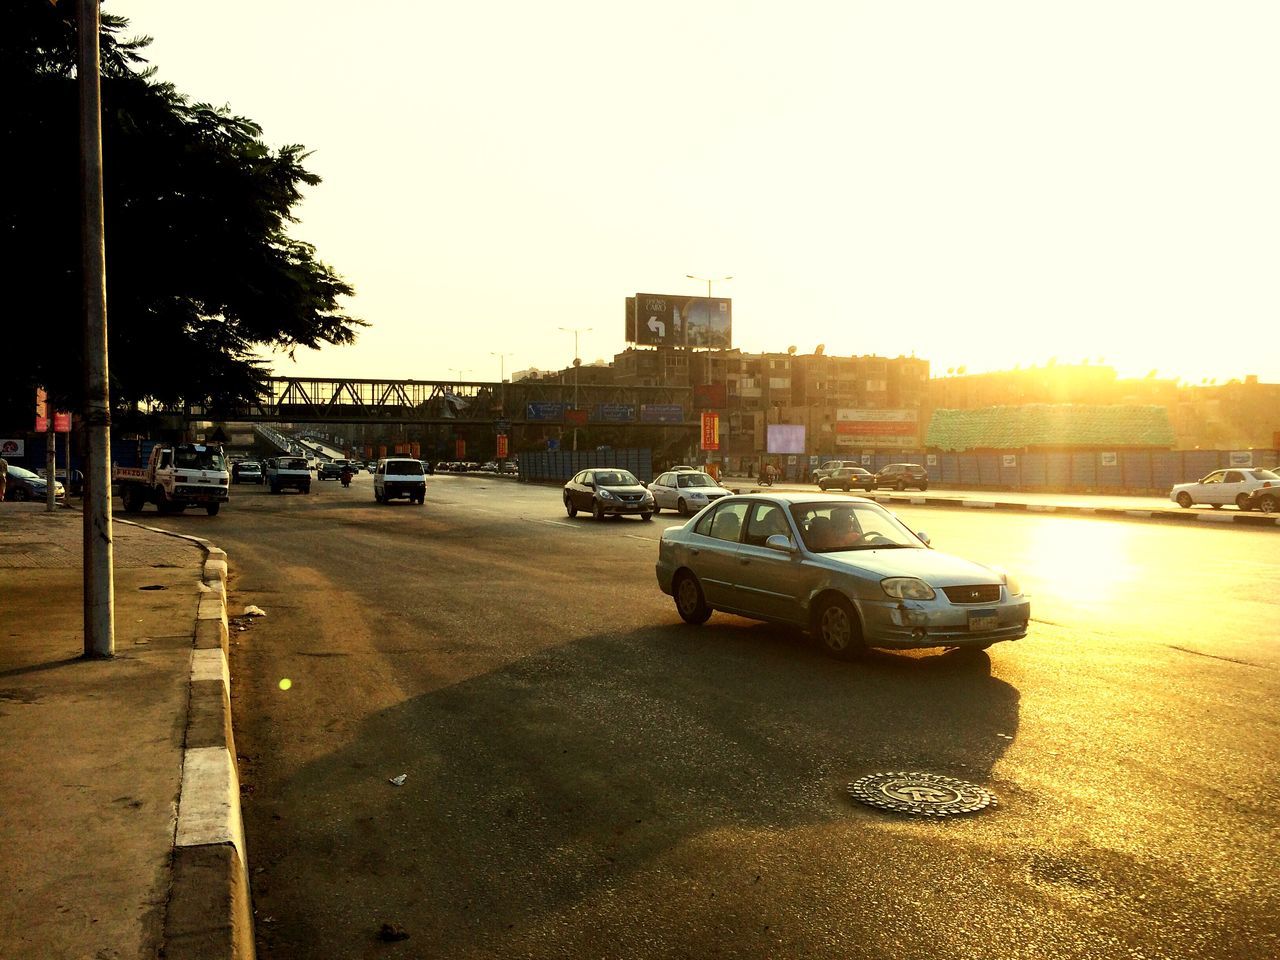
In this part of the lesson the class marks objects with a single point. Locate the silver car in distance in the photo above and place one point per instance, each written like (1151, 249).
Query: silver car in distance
(845, 569)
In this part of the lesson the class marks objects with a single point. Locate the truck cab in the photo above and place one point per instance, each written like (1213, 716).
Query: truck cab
(177, 476)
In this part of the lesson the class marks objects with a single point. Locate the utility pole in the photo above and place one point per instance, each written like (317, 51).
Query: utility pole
(99, 586)
(709, 281)
(50, 462)
(577, 362)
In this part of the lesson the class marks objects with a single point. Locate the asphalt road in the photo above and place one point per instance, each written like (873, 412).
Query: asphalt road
(589, 777)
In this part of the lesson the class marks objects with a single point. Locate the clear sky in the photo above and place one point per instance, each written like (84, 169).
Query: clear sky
(982, 183)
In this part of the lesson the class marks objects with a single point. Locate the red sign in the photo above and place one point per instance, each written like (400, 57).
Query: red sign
(42, 424)
(502, 446)
(460, 449)
(62, 422)
(576, 418)
(711, 431)
(709, 395)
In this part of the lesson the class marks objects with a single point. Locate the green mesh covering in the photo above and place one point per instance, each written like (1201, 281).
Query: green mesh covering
(1051, 425)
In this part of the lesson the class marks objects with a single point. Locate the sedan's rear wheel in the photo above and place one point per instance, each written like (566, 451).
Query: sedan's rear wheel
(1184, 500)
(1242, 501)
(839, 630)
(690, 603)
(569, 508)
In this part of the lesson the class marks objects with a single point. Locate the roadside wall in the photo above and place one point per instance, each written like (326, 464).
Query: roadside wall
(560, 465)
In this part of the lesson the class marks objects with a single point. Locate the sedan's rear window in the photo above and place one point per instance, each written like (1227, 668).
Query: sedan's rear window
(1265, 475)
(291, 463)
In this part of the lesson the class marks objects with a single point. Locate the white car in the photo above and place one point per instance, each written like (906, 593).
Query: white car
(685, 491)
(831, 466)
(399, 477)
(1222, 487)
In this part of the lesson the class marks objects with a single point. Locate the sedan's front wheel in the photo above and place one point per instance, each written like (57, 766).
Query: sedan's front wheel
(1184, 500)
(569, 508)
(690, 603)
(597, 511)
(839, 629)
(1267, 503)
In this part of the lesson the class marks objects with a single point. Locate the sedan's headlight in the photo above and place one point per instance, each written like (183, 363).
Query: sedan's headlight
(907, 588)
(606, 495)
(1013, 586)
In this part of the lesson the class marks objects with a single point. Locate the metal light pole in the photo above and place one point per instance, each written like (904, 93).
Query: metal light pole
(708, 281)
(99, 586)
(577, 362)
(502, 364)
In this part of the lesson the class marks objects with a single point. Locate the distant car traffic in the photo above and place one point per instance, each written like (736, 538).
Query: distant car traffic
(332, 469)
(846, 478)
(25, 485)
(283, 473)
(606, 492)
(685, 491)
(899, 476)
(246, 471)
(1225, 486)
(847, 570)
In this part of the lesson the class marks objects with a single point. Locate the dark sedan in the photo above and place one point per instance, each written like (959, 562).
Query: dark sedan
(606, 492)
(846, 478)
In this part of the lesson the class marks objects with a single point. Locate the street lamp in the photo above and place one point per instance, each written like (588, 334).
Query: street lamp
(502, 364)
(577, 362)
(708, 281)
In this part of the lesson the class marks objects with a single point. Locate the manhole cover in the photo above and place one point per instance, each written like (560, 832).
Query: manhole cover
(921, 794)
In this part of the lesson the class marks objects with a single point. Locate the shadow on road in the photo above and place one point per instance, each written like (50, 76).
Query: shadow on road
(554, 780)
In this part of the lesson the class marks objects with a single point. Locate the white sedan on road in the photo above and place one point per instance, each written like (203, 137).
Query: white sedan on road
(1222, 487)
(685, 491)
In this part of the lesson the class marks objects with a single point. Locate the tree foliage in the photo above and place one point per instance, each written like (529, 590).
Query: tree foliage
(201, 270)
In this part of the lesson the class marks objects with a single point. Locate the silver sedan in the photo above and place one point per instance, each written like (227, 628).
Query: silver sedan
(848, 570)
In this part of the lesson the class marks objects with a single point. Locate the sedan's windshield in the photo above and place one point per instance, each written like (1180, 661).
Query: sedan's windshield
(615, 478)
(832, 527)
(694, 480)
(23, 474)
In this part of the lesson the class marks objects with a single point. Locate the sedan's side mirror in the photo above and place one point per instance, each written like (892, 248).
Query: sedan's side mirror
(780, 541)
(923, 536)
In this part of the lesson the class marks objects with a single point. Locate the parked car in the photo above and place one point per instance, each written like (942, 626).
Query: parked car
(847, 570)
(1229, 485)
(246, 471)
(25, 485)
(685, 491)
(846, 478)
(831, 466)
(607, 491)
(396, 477)
(509, 468)
(427, 468)
(901, 475)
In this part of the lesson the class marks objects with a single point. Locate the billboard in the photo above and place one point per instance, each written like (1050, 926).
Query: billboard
(545, 411)
(877, 428)
(614, 412)
(661, 413)
(709, 395)
(664, 320)
(785, 438)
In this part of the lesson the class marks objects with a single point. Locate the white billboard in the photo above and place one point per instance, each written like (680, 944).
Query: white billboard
(877, 428)
(785, 438)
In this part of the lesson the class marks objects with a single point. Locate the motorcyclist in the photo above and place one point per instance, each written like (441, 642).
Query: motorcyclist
(346, 476)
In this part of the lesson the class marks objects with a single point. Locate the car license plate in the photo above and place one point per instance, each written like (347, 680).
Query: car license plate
(984, 620)
(205, 480)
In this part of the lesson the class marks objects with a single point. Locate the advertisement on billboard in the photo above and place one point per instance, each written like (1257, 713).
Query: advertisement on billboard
(545, 411)
(664, 320)
(614, 412)
(877, 428)
(711, 431)
(12, 448)
(785, 438)
(661, 413)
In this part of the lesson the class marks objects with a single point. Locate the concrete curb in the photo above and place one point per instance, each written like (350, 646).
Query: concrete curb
(210, 914)
(1263, 521)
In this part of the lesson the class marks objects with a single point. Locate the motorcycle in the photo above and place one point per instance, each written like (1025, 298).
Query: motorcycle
(346, 478)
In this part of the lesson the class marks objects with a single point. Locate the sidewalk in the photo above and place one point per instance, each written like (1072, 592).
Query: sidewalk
(94, 750)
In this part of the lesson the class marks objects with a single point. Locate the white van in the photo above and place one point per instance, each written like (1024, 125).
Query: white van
(399, 477)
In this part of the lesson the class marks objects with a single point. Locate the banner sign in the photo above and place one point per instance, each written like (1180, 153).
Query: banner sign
(711, 431)
(12, 448)
(577, 418)
(1107, 459)
(545, 411)
(877, 428)
(709, 395)
(502, 446)
(661, 413)
(61, 422)
(785, 438)
(1240, 458)
(665, 320)
(614, 412)
(460, 449)
(1009, 460)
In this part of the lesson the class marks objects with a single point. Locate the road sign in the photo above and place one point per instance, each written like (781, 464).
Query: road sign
(502, 426)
